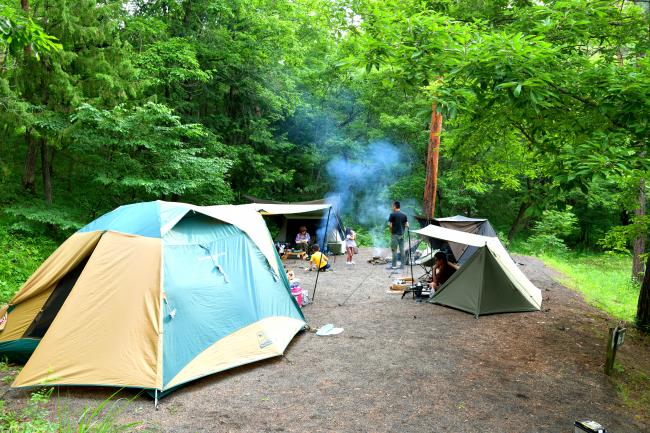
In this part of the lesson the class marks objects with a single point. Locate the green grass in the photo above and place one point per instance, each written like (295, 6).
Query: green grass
(35, 417)
(603, 279)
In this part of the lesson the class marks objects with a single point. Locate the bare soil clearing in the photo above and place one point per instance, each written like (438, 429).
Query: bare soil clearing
(402, 366)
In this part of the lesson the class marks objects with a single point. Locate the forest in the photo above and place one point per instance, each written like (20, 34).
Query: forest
(545, 110)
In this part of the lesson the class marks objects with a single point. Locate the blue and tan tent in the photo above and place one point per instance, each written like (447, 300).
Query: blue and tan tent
(152, 295)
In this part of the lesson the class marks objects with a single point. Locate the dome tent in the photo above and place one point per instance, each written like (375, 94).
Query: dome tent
(152, 295)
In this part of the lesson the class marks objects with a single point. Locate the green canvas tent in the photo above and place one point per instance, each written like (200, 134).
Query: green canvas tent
(489, 282)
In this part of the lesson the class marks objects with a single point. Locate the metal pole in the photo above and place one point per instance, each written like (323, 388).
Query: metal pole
(327, 222)
(408, 231)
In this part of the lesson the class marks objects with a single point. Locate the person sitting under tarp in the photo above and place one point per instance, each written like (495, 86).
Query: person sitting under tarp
(303, 239)
(442, 271)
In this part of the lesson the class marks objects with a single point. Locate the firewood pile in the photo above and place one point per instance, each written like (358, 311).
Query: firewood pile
(376, 260)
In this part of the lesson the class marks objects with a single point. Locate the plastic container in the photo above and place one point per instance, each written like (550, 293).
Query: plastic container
(297, 293)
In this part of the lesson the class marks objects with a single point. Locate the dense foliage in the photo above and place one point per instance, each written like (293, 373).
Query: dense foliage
(545, 108)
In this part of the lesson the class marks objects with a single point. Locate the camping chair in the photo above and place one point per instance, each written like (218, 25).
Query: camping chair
(426, 262)
(411, 252)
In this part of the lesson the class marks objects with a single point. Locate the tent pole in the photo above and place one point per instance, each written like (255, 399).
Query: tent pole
(327, 222)
(408, 231)
(155, 404)
(480, 293)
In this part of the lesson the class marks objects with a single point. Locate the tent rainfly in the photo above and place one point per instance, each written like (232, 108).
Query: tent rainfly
(489, 282)
(152, 296)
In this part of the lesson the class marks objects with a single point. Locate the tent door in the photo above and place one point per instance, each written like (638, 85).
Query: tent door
(51, 308)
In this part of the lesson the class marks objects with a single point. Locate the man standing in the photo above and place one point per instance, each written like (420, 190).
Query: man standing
(397, 222)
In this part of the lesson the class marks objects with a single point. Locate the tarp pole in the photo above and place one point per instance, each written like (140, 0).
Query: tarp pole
(410, 255)
(327, 222)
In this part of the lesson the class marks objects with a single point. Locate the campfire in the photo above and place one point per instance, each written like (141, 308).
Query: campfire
(377, 260)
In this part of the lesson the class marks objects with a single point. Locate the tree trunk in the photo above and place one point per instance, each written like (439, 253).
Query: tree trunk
(643, 306)
(29, 174)
(431, 181)
(516, 225)
(639, 243)
(46, 169)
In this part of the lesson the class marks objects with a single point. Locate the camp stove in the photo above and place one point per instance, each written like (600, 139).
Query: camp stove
(416, 289)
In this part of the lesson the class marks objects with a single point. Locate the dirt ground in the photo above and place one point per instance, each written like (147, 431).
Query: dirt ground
(402, 366)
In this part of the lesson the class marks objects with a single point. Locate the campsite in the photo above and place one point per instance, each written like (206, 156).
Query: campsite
(324, 215)
(399, 365)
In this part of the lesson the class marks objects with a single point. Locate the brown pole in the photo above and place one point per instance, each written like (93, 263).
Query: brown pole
(431, 184)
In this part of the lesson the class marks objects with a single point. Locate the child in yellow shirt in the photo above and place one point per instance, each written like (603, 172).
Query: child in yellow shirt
(318, 259)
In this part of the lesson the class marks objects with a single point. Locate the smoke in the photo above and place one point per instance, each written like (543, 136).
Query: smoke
(361, 187)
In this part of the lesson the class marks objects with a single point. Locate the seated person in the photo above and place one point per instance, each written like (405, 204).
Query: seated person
(441, 271)
(303, 239)
(318, 259)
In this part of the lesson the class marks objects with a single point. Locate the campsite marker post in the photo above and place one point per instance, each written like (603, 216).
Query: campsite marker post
(616, 338)
(327, 223)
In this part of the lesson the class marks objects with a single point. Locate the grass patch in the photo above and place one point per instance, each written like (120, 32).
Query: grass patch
(603, 279)
(633, 387)
(34, 417)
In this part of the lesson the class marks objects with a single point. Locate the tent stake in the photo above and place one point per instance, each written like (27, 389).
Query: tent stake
(327, 223)
(155, 404)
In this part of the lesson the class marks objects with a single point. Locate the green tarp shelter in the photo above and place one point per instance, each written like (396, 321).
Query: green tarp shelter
(489, 282)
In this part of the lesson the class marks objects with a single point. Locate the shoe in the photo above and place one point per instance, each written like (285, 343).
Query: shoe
(352, 263)
(348, 263)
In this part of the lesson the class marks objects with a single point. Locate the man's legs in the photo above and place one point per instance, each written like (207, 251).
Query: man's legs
(400, 241)
(394, 243)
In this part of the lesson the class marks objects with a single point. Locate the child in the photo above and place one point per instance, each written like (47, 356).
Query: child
(350, 245)
(318, 259)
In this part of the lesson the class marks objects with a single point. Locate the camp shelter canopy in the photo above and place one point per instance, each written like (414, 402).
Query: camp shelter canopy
(461, 252)
(153, 295)
(290, 209)
(313, 214)
(489, 282)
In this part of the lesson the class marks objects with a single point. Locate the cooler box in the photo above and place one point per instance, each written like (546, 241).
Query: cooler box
(336, 247)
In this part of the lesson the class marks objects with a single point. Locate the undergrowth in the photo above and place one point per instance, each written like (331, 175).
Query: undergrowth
(21, 256)
(603, 279)
(35, 417)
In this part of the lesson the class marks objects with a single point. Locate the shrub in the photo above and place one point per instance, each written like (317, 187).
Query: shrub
(550, 232)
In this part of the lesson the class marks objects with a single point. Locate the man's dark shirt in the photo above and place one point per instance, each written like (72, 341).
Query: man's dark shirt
(398, 219)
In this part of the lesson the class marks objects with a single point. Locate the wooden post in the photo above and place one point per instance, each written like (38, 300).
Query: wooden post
(431, 183)
(616, 338)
